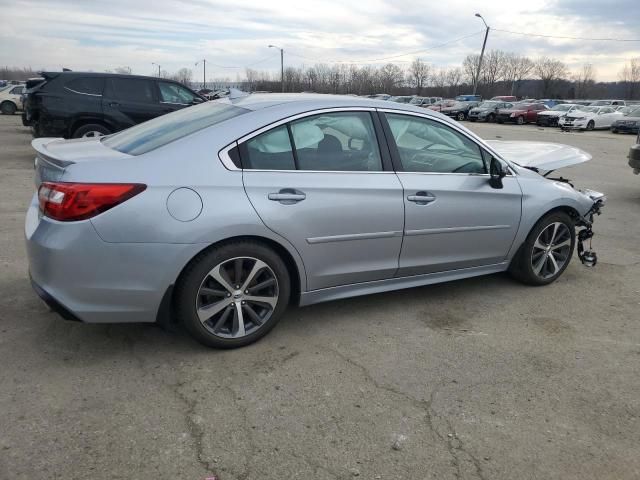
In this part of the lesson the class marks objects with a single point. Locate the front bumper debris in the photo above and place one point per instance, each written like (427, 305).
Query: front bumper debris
(586, 254)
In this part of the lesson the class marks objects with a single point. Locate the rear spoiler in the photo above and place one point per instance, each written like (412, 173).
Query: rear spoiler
(49, 75)
(40, 146)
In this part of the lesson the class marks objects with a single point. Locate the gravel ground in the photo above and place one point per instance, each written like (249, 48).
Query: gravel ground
(482, 378)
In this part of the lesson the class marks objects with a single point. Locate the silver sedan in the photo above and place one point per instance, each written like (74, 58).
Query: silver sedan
(222, 214)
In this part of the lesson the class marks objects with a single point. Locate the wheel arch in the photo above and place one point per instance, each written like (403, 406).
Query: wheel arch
(9, 101)
(296, 271)
(80, 121)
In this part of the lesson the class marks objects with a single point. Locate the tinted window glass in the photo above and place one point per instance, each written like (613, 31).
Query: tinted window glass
(174, 93)
(87, 85)
(336, 141)
(162, 130)
(270, 151)
(428, 146)
(131, 89)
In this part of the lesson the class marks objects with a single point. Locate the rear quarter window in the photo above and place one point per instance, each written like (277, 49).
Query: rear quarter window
(161, 131)
(86, 85)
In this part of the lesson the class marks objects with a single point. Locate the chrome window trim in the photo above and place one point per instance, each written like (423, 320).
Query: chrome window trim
(175, 103)
(482, 145)
(83, 93)
(229, 165)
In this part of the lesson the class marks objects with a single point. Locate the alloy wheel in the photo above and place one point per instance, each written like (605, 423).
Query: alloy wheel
(92, 133)
(237, 297)
(551, 250)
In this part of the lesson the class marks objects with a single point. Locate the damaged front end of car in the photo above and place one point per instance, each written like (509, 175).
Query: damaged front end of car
(584, 224)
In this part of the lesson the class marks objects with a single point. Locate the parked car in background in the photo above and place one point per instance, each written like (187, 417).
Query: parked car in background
(76, 104)
(549, 102)
(421, 101)
(589, 118)
(10, 101)
(469, 98)
(439, 105)
(505, 98)
(600, 103)
(459, 110)
(521, 113)
(626, 109)
(380, 96)
(487, 110)
(549, 118)
(634, 156)
(401, 98)
(223, 214)
(628, 123)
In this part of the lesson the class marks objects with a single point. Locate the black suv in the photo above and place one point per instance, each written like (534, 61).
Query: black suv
(75, 104)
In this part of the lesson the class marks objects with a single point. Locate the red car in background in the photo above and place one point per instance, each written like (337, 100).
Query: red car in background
(521, 113)
(438, 106)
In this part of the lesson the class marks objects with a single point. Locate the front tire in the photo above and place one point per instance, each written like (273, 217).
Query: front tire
(546, 252)
(591, 125)
(461, 116)
(232, 296)
(491, 118)
(8, 108)
(520, 121)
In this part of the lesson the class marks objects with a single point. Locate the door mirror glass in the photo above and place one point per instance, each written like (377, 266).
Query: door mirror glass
(496, 172)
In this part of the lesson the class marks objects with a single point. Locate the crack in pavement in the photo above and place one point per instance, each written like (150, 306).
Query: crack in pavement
(454, 445)
(195, 429)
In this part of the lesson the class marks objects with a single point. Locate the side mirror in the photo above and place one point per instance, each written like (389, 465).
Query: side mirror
(497, 173)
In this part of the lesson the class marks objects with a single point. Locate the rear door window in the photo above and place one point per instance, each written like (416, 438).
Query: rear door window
(86, 85)
(131, 90)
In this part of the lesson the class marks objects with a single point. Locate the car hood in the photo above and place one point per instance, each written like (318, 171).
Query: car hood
(555, 113)
(541, 155)
(580, 115)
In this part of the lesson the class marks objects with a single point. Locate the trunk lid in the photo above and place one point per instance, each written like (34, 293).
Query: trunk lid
(54, 155)
(541, 155)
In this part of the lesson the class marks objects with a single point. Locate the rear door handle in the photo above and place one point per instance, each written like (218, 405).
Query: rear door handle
(287, 196)
(422, 198)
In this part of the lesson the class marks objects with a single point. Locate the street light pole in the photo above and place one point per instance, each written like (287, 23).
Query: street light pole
(281, 65)
(484, 44)
(204, 71)
(158, 65)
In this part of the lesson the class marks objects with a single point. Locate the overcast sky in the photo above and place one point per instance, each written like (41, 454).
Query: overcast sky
(100, 35)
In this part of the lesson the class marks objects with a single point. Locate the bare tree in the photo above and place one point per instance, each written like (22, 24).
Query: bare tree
(419, 75)
(390, 77)
(470, 67)
(549, 71)
(453, 78)
(122, 70)
(584, 81)
(516, 68)
(630, 77)
(493, 67)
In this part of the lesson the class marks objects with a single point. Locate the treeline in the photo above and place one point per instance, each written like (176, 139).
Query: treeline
(502, 73)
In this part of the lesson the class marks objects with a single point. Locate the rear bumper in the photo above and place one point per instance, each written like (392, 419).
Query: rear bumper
(84, 278)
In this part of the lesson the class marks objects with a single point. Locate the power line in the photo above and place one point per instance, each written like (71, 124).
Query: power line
(567, 38)
(390, 57)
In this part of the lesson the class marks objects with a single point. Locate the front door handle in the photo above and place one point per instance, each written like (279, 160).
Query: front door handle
(422, 198)
(287, 196)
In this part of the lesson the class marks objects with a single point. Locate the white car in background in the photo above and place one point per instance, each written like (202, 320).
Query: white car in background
(10, 99)
(589, 118)
(550, 118)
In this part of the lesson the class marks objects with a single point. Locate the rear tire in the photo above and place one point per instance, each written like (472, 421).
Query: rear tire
(91, 130)
(214, 307)
(8, 108)
(546, 252)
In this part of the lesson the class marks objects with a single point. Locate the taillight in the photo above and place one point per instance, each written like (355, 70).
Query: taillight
(78, 201)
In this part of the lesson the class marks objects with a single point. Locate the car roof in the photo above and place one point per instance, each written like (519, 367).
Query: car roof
(48, 75)
(258, 101)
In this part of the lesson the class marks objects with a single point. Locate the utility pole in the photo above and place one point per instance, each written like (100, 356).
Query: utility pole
(484, 44)
(158, 65)
(204, 71)
(281, 65)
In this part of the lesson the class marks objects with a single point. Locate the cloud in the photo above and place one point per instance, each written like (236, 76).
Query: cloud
(232, 35)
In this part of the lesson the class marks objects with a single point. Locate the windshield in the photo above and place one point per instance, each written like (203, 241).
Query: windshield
(416, 101)
(162, 130)
(590, 109)
(633, 113)
(489, 104)
(562, 108)
(601, 102)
